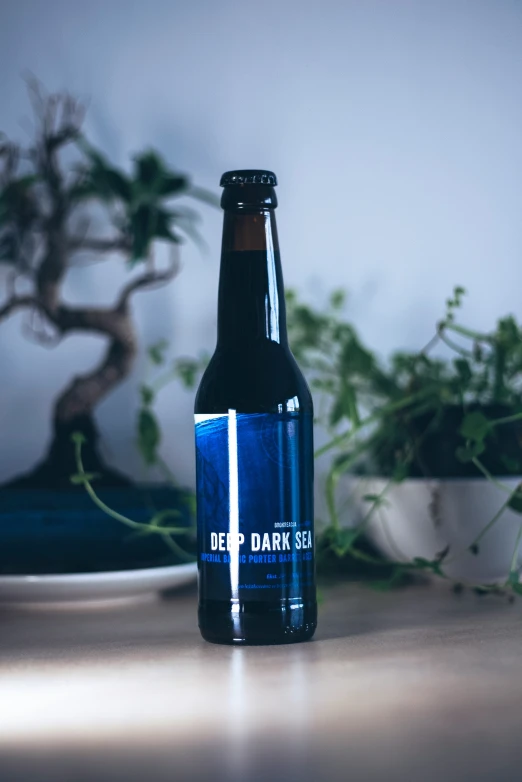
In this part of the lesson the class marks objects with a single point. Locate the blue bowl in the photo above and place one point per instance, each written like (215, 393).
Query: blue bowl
(49, 532)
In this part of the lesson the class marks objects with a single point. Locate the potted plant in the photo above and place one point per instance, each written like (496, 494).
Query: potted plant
(51, 193)
(436, 444)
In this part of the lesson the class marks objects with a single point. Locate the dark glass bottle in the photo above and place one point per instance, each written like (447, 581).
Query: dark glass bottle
(254, 442)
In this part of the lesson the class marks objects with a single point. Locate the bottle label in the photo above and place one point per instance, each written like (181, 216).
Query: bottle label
(255, 506)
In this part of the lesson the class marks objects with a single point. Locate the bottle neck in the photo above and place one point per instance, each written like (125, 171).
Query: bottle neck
(251, 303)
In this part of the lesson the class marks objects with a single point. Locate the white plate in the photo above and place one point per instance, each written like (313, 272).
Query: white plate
(88, 587)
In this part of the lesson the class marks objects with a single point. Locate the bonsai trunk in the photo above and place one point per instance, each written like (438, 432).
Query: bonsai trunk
(74, 408)
(86, 391)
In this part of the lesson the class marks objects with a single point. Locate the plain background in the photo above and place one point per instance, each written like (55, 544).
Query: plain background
(395, 131)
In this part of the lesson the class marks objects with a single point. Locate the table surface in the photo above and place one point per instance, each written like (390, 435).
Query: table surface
(416, 684)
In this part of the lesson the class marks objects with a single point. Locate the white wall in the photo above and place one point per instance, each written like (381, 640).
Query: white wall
(394, 128)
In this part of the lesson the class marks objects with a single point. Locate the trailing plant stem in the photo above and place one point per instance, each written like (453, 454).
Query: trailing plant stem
(152, 526)
(374, 418)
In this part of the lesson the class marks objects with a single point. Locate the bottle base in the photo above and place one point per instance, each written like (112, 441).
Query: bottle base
(252, 623)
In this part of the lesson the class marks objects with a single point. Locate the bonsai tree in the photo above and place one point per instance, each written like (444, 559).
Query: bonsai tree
(50, 194)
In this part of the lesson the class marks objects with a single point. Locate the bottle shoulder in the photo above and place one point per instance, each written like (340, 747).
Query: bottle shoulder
(264, 377)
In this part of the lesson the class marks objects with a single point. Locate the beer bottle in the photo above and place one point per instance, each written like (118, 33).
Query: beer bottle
(254, 442)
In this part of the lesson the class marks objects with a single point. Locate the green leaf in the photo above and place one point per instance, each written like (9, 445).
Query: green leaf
(338, 299)
(171, 184)
(478, 352)
(149, 436)
(423, 564)
(376, 499)
(84, 477)
(108, 184)
(78, 438)
(515, 501)
(475, 426)
(157, 352)
(149, 170)
(146, 223)
(187, 370)
(441, 555)
(93, 154)
(118, 184)
(400, 473)
(354, 358)
(141, 225)
(344, 539)
(101, 178)
(428, 564)
(147, 395)
(463, 369)
(345, 406)
(469, 452)
(162, 222)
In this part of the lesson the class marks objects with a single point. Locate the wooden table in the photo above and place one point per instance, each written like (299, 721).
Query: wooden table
(417, 684)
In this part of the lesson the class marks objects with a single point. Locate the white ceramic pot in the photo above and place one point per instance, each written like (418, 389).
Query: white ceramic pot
(420, 517)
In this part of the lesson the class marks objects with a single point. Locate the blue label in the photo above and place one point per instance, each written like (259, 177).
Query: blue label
(255, 506)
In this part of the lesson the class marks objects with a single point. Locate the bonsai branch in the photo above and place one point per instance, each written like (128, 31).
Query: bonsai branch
(16, 303)
(116, 244)
(150, 279)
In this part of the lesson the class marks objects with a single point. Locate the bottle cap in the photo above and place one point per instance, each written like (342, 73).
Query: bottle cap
(248, 177)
